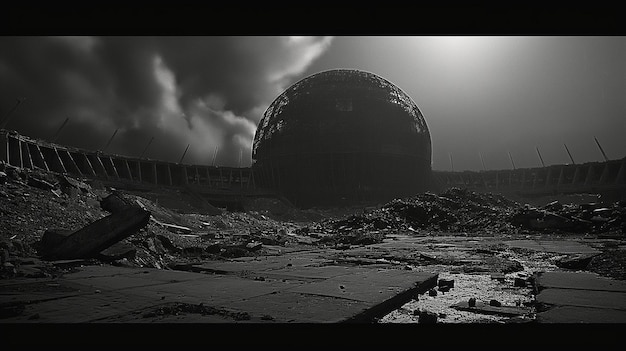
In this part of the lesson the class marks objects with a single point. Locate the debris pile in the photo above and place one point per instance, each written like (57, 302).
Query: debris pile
(462, 210)
(455, 210)
(589, 218)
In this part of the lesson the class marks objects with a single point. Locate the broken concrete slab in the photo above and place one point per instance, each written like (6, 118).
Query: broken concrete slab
(583, 298)
(575, 261)
(97, 236)
(370, 285)
(576, 314)
(177, 229)
(40, 183)
(52, 238)
(485, 308)
(573, 297)
(577, 280)
(498, 276)
(117, 293)
(116, 202)
(117, 251)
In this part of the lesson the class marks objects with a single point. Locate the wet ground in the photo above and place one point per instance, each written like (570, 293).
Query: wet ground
(485, 243)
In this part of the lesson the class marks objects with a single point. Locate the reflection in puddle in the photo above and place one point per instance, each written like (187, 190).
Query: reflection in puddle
(480, 286)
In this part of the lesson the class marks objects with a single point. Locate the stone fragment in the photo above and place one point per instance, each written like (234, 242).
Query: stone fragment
(426, 317)
(118, 251)
(445, 282)
(495, 303)
(519, 282)
(97, 236)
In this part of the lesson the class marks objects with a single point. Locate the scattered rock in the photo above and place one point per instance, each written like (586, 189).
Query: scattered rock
(213, 248)
(576, 261)
(498, 276)
(432, 292)
(495, 303)
(254, 246)
(519, 282)
(426, 317)
(471, 302)
(445, 283)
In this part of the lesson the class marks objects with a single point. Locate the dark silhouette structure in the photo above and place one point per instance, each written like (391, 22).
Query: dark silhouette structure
(340, 137)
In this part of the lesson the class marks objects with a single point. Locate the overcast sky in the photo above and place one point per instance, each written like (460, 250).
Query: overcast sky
(491, 95)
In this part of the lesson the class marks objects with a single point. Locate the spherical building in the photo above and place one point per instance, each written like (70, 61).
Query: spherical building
(341, 137)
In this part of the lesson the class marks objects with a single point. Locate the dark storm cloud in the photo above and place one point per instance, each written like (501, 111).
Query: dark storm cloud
(208, 92)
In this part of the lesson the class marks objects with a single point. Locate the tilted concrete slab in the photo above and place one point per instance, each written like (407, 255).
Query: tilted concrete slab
(583, 298)
(575, 297)
(576, 314)
(109, 294)
(369, 286)
(313, 273)
(578, 280)
(293, 307)
(84, 308)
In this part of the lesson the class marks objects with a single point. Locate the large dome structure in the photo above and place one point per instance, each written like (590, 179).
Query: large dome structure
(341, 137)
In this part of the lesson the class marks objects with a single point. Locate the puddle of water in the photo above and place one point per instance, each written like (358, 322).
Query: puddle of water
(466, 286)
(480, 286)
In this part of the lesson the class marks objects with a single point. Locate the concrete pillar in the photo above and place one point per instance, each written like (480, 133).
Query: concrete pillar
(240, 178)
(19, 143)
(89, 165)
(252, 176)
(589, 176)
(138, 163)
(56, 153)
(117, 175)
(169, 174)
(605, 174)
(41, 158)
(561, 177)
(620, 174)
(130, 175)
(208, 176)
(185, 179)
(154, 172)
(576, 178)
(4, 147)
(101, 165)
(548, 177)
(73, 162)
(27, 161)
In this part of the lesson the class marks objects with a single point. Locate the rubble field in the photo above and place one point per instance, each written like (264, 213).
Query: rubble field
(46, 216)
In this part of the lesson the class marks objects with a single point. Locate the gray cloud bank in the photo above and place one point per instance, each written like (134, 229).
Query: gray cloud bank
(205, 92)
